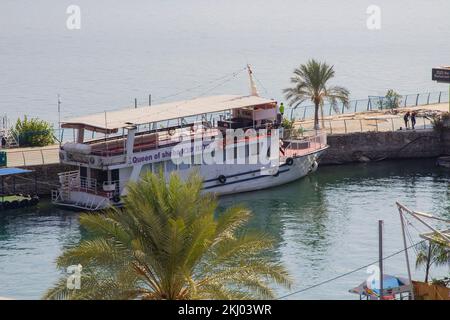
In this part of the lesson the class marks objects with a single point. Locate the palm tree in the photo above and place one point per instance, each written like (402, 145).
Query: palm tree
(432, 253)
(310, 82)
(166, 243)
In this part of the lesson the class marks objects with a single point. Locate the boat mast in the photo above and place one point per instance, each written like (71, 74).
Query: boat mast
(253, 89)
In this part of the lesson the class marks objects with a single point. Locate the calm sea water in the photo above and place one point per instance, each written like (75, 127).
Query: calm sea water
(324, 225)
(128, 49)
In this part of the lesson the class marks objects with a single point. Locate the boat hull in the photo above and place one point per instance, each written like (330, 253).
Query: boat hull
(235, 179)
(256, 180)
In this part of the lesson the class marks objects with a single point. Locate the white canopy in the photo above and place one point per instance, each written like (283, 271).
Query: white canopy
(114, 120)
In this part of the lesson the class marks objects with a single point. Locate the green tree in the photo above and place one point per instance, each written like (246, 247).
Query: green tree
(166, 243)
(391, 100)
(310, 82)
(432, 253)
(33, 132)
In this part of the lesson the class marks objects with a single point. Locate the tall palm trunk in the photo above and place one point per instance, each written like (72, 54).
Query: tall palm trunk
(316, 116)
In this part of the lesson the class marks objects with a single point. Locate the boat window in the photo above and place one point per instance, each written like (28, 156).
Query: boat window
(158, 166)
(115, 175)
(146, 168)
(170, 166)
(83, 172)
(183, 166)
(99, 175)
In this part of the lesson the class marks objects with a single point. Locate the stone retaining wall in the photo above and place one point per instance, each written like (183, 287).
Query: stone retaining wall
(375, 146)
(41, 181)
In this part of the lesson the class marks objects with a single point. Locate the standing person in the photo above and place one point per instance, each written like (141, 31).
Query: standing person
(281, 108)
(413, 119)
(406, 119)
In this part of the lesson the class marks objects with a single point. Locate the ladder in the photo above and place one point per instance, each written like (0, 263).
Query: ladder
(9, 138)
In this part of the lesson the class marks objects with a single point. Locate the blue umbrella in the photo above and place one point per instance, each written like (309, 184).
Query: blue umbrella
(389, 282)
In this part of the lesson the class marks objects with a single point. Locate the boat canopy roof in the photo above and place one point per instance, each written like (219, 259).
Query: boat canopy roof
(12, 171)
(113, 120)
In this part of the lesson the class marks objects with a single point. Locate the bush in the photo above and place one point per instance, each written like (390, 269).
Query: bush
(33, 132)
(287, 124)
(441, 122)
(391, 100)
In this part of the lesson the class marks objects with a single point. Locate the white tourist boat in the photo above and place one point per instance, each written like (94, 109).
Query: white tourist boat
(234, 133)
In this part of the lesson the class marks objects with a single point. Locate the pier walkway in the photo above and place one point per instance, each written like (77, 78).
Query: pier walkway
(18, 157)
(377, 120)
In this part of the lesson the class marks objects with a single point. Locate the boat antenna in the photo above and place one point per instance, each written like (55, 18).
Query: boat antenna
(59, 121)
(253, 89)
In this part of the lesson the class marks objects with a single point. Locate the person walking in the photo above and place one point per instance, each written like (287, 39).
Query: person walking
(406, 119)
(413, 120)
(281, 108)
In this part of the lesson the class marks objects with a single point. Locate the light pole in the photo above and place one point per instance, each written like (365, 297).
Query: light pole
(59, 120)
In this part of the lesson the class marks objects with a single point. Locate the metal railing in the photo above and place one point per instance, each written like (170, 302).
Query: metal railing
(372, 103)
(72, 181)
(298, 142)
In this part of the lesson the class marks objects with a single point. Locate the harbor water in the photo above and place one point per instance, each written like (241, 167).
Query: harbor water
(323, 225)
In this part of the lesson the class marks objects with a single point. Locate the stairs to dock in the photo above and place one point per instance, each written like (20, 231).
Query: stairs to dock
(9, 138)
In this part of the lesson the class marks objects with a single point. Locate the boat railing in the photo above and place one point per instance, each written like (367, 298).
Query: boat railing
(113, 186)
(299, 144)
(143, 141)
(72, 181)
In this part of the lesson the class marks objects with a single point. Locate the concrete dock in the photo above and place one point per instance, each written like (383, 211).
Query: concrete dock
(376, 120)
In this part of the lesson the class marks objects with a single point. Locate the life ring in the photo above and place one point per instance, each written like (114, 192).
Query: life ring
(34, 200)
(222, 179)
(14, 204)
(171, 132)
(24, 203)
(116, 198)
(289, 161)
(314, 166)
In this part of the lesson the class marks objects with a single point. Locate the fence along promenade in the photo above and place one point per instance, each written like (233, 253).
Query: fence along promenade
(371, 104)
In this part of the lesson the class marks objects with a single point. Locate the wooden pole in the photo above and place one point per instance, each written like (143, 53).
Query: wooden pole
(59, 120)
(406, 253)
(380, 255)
(428, 261)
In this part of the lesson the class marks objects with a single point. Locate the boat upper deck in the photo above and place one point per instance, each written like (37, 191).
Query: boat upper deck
(110, 122)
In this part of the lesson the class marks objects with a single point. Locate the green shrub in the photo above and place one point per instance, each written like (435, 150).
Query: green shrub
(441, 122)
(33, 132)
(287, 124)
(391, 100)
